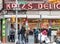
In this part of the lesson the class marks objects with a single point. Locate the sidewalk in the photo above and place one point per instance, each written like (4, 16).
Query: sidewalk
(7, 43)
(26, 43)
(30, 39)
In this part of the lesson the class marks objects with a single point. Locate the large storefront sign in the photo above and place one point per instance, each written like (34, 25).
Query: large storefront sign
(33, 6)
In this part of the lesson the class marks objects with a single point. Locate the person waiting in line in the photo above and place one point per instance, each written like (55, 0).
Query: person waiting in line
(27, 33)
(12, 34)
(19, 33)
(36, 35)
(49, 33)
(44, 38)
(23, 37)
(58, 36)
(31, 32)
(19, 37)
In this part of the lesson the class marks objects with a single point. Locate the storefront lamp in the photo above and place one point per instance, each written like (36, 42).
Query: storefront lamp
(52, 1)
(13, 19)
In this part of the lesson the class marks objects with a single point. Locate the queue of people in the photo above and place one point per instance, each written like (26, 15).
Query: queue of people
(40, 35)
(24, 34)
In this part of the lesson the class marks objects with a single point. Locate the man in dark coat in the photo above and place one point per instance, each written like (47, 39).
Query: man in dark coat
(23, 38)
(36, 35)
(49, 33)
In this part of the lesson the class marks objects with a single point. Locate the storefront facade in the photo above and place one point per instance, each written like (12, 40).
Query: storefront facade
(40, 15)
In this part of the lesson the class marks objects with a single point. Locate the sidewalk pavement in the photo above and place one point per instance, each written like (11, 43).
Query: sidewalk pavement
(30, 39)
(26, 43)
(7, 43)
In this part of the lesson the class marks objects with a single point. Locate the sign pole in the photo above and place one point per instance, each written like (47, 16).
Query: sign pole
(16, 34)
(40, 28)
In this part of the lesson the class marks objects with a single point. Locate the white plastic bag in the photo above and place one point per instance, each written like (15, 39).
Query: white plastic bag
(39, 36)
(47, 40)
(43, 37)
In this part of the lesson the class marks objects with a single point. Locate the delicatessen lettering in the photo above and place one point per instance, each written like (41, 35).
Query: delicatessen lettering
(33, 6)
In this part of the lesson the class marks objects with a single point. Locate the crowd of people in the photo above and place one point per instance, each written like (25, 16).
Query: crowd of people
(40, 35)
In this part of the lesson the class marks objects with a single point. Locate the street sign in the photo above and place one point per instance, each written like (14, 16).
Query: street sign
(22, 2)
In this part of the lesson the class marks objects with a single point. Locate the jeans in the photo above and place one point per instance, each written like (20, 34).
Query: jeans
(18, 36)
(36, 38)
(12, 38)
(23, 39)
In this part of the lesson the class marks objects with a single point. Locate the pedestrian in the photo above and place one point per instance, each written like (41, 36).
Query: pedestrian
(31, 31)
(44, 38)
(23, 37)
(36, 35)
(58, 36)
(19, 33)
(12, 34)
(39, 36)
(27, 33)
(49, 33)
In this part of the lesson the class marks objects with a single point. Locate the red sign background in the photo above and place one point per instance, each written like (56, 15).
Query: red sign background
(33, 6)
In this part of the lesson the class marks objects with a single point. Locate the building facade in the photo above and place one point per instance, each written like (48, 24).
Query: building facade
(39, 13)
(33, 9)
